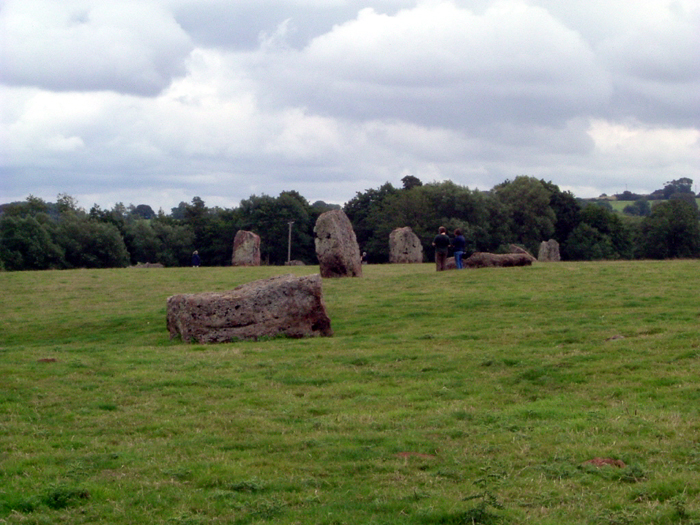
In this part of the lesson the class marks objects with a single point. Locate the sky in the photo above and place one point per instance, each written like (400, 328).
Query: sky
(158, 101)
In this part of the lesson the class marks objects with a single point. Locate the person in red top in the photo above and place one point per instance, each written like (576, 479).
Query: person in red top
(442, 245)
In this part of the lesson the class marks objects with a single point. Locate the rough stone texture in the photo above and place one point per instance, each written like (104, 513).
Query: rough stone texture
(405, 247)
(488, 260)
(282, 305)
(514, 248)
(336, 246)
(549, 251)
(451, 264)
(246, 249)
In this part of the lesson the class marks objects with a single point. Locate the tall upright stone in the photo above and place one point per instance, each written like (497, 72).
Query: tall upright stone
(246, 249)
(405, 246)
(336, 246)
(549, 251)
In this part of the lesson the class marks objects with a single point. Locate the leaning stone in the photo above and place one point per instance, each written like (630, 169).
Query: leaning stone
(549, 251)
(489, 260)
(336, 246)
(283, 305)
(404, 247)
(246, 249)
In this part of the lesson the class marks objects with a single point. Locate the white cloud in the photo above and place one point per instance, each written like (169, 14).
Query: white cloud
(125, 46)
(440, 64)
(330, 97)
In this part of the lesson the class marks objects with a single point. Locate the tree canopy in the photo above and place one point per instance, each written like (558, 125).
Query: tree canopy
(36, 235)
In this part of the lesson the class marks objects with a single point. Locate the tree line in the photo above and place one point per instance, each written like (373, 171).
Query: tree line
(37, 235)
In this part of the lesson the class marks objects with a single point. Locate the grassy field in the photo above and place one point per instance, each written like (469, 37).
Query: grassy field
(455, 398)
(619, 206)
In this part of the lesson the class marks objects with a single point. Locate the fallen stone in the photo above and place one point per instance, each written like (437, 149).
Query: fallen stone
(490, 260)
(283, 305)
(148, 265)
(514, 248)
(336, 246)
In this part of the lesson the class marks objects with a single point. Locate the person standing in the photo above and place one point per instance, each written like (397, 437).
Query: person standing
(442, 244)
(195, 259)
(459, 243)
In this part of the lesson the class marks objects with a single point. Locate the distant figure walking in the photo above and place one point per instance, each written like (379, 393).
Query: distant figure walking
(459, 243)
(195, 259)
(442, 245)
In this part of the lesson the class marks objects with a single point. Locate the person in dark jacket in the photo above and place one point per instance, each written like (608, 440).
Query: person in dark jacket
(442, 245)
(195, 259)
(459, 243)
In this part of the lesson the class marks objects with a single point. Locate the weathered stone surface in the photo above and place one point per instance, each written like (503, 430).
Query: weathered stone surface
(487, 260)
(514, 248)
(405, 247)
(282, 305)
(336, 246)
(246, 249)
(549, 251)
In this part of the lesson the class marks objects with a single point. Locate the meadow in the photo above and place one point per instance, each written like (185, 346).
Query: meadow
(461, 397)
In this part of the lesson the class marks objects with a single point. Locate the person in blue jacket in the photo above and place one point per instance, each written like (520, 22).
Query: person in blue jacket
(195, 259)
(459, 243)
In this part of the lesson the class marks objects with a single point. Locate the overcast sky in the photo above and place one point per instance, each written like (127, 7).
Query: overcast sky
(158, 101)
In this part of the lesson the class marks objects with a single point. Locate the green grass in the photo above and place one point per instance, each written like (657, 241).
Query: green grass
(619, 206)
(452, 398)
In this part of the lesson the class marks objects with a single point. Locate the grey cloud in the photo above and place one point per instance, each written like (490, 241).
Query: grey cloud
(321, 96)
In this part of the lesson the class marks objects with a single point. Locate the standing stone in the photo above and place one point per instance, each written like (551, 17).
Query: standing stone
(336, 246)
(405, 246)
(282, 305)
(549, 251)
(246, 249)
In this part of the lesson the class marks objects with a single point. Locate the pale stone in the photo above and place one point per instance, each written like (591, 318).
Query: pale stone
(405, 246)
(549, 251)
(283, 305)
(336, 246)
(246, 249)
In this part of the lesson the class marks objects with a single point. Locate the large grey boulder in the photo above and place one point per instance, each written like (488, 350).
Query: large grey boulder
(246, 249)
(336, 246)
(404, 246)
(490, 260)
(549, 251)
(282, 305)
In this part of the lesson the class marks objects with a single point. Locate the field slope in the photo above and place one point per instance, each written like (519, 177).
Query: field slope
(478, 396)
